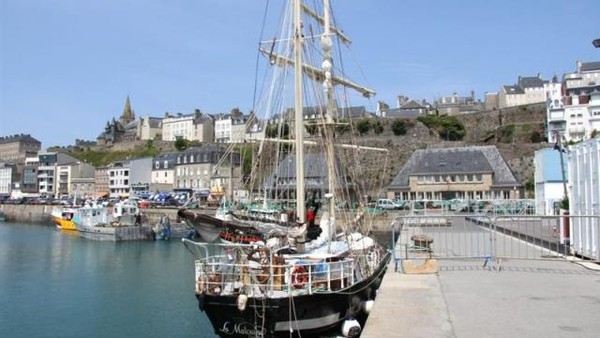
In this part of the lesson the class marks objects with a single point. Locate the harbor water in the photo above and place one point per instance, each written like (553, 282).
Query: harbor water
(57, 284)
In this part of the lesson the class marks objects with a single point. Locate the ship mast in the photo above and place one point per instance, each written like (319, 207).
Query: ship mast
(299, 120)
(330, 106)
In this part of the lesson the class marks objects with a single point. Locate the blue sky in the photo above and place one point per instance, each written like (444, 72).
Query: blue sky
(66, 66)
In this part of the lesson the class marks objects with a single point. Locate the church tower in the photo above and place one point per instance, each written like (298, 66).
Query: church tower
(128, 114)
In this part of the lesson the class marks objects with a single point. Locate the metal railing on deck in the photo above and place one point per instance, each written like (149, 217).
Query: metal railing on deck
(227, 269)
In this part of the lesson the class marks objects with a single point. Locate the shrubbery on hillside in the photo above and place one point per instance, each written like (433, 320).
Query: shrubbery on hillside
(448, 127)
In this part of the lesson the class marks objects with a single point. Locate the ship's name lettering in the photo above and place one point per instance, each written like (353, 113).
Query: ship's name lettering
(242, 329)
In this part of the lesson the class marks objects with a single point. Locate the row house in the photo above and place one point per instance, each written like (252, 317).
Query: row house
(208, 166)
(454, 104)
(8, 173)
(163, 172)
(527, 90)
(29, 178)
(231, 128)
(193, 127)
(56, 171)
(573, 105)
(129, 177)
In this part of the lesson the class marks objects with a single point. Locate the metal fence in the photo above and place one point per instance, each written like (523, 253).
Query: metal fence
(492, 237)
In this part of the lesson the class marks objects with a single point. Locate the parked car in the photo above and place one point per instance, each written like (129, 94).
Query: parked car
(388, 204)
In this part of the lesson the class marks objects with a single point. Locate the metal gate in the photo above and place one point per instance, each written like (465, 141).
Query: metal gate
(489, 238)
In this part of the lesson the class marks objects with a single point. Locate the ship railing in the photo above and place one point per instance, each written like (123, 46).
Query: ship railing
(246, 269)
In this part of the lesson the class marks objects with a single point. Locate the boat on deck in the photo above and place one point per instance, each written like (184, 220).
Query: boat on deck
(281, 284)
(122, 221)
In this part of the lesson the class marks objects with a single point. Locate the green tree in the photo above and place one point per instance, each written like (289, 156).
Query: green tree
(535, 137)
(181, 144)
(399, 127)
(378, 127)
(363, 126)
(447, 127)
(275, 130)
(312, 129)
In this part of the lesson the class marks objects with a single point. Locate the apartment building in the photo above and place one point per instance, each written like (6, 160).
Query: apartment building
(573, 105)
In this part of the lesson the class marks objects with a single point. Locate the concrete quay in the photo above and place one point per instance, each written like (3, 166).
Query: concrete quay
(519, 298)
(42, 213)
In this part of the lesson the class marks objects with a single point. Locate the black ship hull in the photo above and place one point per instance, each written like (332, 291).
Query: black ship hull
(312, 315)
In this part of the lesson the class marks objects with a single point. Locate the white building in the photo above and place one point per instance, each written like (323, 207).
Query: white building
(223, 128)
(574, 105)
(6, 179)
(192, 127)
(181, 126)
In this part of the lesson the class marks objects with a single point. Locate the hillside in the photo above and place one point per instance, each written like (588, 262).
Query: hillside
(516, 132)
(510, 130)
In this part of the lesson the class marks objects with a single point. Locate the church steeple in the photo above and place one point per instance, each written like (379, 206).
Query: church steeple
(128, 114)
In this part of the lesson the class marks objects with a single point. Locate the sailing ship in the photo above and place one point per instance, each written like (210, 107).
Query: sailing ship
(293, 287)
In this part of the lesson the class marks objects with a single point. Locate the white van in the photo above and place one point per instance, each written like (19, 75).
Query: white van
(386, 203)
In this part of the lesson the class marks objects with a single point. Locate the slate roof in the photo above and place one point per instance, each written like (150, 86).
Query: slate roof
(531, 82)
(590, 66)
(412, 104)
(401, 113)
(513, 90)
(154, 122)
(484, 159)
(463, 162)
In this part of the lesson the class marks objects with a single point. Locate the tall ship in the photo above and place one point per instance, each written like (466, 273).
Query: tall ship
(287, 283)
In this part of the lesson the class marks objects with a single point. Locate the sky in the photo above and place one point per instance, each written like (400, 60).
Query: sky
(67, 66)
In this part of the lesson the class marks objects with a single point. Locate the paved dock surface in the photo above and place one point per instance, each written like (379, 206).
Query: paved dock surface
(516, 298)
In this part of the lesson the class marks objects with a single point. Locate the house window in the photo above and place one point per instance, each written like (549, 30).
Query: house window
(166, 164)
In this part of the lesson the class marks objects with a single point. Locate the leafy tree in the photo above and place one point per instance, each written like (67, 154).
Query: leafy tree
(447, 127)
(363, 126)
(312, 129)
(181, 144)
(535, 137)
(399, 127)
(378, 127)
(275, 130)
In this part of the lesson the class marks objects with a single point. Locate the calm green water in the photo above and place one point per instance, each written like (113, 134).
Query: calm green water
(56, 284)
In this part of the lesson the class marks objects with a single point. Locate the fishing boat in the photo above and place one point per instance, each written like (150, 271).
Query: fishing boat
(119, 222)
(285, 285)
(63, 218)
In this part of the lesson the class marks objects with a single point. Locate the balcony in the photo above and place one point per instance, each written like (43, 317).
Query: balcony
(576, 129)
(556, 115)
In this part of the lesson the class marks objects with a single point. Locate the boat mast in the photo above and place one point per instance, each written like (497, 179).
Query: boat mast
(330, 106)
(299, 120)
